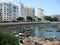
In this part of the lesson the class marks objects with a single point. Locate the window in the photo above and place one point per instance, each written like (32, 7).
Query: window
(4, 12)
(0, 14)
(4, 8)
(4, 17)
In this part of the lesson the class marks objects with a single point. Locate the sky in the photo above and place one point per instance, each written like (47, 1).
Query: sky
(51, 7)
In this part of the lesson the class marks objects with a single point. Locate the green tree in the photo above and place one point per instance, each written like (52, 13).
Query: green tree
(48, 18)
(20, 19)
(39, 19)
(55, 19)
(6, 39)
(33, 20)
(14, 21)
(29, 18)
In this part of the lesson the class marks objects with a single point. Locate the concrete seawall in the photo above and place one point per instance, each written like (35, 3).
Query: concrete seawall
(25, 23)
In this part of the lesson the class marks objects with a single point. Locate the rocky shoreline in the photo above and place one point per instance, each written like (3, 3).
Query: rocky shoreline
(40, 41)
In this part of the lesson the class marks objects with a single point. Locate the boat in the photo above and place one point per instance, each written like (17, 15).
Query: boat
(42, 26)
(16, 35)
(49, 30)
(57, 30)
(21, 34)
(26, 29)
(53, 37)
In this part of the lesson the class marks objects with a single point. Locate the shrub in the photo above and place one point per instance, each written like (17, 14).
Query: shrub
(6, 39)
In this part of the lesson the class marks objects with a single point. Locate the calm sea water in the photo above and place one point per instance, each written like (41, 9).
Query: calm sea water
(40, 31)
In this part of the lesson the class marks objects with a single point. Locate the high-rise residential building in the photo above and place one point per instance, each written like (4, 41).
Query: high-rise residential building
(40, 13)
(29, 12)
(15, 12)
(8, 11)
(20, 9)
(0, 12)
(32, 12)
(26, 12)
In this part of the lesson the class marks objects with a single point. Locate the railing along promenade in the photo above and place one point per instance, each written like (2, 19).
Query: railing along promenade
(13, 24)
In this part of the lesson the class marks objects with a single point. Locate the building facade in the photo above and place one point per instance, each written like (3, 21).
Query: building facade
(15, 12)
(30, 12)
(40, 13)
(20, 10)
(0, 11)
(9, 11)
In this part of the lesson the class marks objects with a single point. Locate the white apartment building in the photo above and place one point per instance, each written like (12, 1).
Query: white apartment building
(0, 12)
(40, 13)
(15, 12)
(20, 10)
(9, 11)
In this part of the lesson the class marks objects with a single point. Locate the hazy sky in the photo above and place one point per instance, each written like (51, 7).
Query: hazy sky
(50, 6)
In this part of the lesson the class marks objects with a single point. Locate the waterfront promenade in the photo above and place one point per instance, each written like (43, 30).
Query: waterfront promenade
(25, 23)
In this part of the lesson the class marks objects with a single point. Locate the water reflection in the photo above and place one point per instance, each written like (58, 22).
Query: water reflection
(35, 30)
